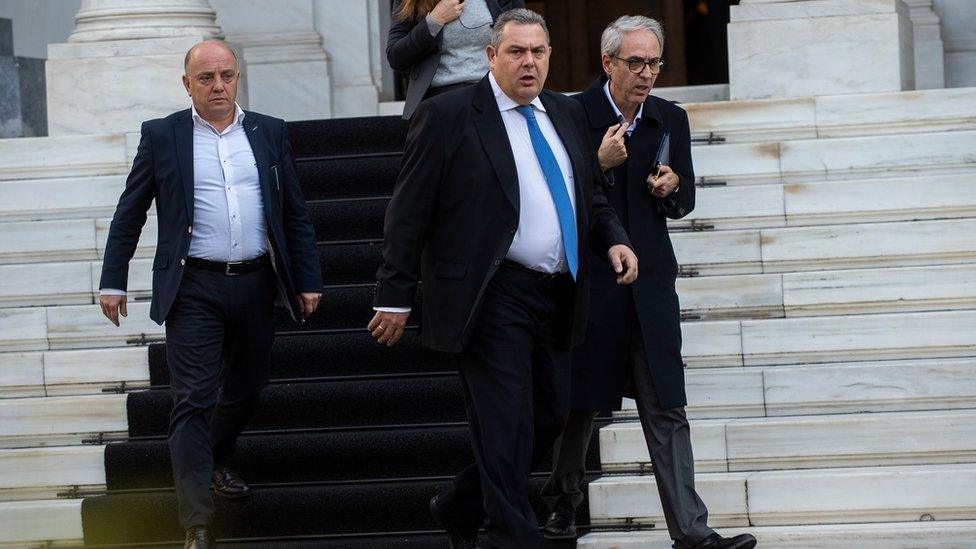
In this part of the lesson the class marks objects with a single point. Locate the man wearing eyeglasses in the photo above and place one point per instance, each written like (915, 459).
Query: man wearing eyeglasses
(633, 340)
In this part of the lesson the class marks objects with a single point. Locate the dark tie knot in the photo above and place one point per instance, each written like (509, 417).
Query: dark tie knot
(526, 111)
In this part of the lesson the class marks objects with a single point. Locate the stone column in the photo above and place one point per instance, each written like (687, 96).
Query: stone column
(959, 34)
(287, 69)
(123, 64)
(349, 33)
(929, 54)
(819, 47)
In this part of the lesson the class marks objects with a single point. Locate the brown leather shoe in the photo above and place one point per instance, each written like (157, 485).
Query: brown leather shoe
(228, 484)
(198, 537)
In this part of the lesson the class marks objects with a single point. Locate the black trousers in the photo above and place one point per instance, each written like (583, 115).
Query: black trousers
(515, 374)
(668, 438)
(218, 338)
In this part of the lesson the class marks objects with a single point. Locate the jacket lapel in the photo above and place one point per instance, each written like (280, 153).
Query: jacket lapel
(494, 138)
(260, 149)
(183, 132)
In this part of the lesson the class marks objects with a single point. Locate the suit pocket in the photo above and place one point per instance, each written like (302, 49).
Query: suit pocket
(277, 182)
(443, 269)
(160, 261)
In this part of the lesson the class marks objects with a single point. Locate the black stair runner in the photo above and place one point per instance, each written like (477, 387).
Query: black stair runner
(351, 439)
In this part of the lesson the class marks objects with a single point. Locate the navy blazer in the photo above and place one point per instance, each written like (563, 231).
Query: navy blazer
(163, 171)
(410, 46)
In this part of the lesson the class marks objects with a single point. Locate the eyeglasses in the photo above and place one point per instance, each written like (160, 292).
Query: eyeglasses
(636, 66)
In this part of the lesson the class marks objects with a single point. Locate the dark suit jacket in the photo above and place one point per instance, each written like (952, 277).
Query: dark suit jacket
(455, 209)
(600, 365)
(410, 47)
(163, 171)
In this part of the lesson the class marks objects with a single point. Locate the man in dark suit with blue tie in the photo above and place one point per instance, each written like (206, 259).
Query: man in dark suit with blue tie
(497, 199)
(234, 236)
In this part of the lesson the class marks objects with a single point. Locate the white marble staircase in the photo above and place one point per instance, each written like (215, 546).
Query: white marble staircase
(829, 332)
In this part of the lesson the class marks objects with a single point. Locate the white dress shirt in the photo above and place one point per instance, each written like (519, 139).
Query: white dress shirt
(228, 210)
(538, 242)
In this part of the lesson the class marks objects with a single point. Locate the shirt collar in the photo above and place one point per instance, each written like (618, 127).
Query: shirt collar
(616, 111)
(199, 121)
(506, 103)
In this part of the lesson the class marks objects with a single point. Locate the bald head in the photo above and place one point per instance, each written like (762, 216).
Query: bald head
(207, 47)
(210, 76)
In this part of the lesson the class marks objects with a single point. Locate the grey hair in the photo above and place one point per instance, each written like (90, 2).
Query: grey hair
(613, 35)
(521, 16)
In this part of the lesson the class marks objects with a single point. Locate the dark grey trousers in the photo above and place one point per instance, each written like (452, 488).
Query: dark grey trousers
(218, 340)
(669, 443)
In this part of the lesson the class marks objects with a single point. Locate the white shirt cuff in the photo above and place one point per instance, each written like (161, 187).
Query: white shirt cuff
(392, 309)
(111, 291)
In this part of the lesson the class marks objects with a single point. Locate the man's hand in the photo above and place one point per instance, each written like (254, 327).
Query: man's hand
(612, 151)
(664, 184)
(624, 263)
(387, 328)
(112, 305)
(308, 302)
(446, 11)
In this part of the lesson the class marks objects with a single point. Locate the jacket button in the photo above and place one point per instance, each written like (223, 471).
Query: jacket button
(498, 262)
(183, 262)
(512, 230)
(189, 229)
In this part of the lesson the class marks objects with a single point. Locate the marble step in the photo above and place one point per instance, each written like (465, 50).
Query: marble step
(943, 287)
(815, 496)
(852, 246)
(830, 202)
(60, 198)
(835, 115)
(804, 442)
(808, 160)
(58, 373)
(831, 388)
(66, 156)
(59, 421)
(930, 534)
(42, 473)
(64, 239)
(41, 523)
(710, 342)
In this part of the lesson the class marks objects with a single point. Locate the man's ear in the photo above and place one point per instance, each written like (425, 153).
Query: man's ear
(491, 53)
(186, 83)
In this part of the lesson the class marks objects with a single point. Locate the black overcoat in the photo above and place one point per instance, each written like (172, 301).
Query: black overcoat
(600, 364)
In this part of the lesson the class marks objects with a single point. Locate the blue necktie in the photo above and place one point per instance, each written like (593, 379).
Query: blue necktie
(557, 186)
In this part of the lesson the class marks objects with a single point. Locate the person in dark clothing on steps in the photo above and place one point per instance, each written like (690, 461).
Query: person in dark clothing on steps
(234, 236)
(633, 340)
(441, 44)
(498, 194)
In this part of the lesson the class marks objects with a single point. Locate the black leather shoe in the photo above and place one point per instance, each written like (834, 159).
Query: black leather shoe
(715, 541)
(455, 539)
(561, 524)
(226, 483)
(198, 537)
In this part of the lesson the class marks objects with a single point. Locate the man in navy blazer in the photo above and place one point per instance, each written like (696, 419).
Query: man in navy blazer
(234, 237)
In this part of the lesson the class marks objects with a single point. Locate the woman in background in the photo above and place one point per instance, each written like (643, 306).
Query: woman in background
(441, 43)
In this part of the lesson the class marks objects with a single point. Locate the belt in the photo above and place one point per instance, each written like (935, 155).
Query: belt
(232, 268)
(538, 275)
